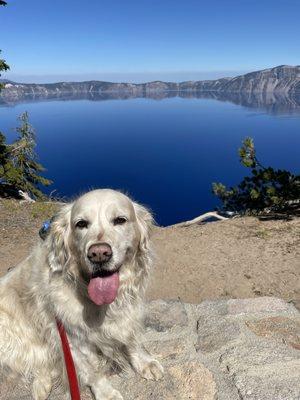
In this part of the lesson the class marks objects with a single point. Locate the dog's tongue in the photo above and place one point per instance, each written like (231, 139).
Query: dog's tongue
(104, 290)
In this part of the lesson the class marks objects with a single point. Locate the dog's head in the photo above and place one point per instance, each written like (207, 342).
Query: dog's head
(99, 235)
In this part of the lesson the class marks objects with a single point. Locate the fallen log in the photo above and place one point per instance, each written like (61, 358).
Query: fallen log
(25, 196)
(203, 217)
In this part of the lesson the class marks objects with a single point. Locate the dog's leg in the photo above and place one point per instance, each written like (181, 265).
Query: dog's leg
(89, 374)
(24, 355)
(42, 385)
(144, 364)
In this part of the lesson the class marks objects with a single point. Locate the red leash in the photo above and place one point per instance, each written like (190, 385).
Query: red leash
(69, 363)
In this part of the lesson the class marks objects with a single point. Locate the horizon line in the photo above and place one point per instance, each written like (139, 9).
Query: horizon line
(6, 80)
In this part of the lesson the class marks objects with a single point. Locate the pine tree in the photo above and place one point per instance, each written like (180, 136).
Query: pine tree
(3, 67)
(5, 163)
(266, 190)
(20, 168)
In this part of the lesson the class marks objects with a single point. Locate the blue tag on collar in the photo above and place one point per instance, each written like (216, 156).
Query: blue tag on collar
(43, 232)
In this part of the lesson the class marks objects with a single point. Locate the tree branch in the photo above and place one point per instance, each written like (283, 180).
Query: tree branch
(203, 217)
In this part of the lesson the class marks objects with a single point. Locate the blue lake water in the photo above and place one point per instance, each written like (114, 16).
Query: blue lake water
(164, 153)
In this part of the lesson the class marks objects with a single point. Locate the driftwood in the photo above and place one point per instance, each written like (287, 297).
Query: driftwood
(291, 210)
(25, 196)
(203, 217)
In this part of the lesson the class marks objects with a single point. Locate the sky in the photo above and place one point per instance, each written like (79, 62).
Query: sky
(145, 40)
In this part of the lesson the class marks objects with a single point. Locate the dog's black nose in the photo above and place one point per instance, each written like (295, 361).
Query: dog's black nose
(100, 253)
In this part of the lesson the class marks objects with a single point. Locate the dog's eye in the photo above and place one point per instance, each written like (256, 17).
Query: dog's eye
(82, 224)
(119, 221)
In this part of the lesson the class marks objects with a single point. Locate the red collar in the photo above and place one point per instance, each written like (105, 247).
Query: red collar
(69, 363)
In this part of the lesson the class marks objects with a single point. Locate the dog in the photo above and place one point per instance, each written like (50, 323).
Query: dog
(89, 273)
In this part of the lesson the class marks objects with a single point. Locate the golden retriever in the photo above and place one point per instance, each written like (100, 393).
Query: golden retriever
(90, 272)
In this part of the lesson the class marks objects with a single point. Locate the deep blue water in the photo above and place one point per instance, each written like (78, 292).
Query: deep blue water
(164, 153)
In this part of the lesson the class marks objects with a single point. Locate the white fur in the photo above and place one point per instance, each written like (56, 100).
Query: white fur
(51, 283)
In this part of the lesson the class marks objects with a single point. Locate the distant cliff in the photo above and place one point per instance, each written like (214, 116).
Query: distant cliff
(282, 79)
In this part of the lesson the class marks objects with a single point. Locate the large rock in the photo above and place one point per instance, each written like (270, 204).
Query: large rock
(282, 329)
(164, 316)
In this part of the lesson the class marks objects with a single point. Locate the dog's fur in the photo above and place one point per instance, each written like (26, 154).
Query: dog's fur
(52, 283)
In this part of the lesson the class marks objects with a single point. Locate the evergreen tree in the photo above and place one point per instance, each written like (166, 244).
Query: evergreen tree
(5, 163)
(265, 190)
(3, 67)
(18, 165)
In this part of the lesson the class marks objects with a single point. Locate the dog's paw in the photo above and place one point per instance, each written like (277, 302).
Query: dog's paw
(107, 393)
(41, 387)
(152, 370)
(114, 395)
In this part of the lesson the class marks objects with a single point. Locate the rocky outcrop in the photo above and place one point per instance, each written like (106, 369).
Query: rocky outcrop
(282, 79)
(218, 350)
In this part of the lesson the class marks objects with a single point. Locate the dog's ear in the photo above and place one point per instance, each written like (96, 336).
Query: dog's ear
(145, 222)
(58, 239)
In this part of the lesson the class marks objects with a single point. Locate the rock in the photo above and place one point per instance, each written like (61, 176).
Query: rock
(218, 350)
(261, 304)
(189, 380)
(214, 333)
(286, 330)
(163, 316)
(193, 381)
(252, 354)
(213, 307)
(167, 350)
(268, 385)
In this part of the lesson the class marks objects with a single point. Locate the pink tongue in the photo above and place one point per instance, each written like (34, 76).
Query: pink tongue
(104, 290)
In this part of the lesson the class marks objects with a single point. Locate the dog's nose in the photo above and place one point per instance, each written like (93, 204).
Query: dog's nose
(101, 252)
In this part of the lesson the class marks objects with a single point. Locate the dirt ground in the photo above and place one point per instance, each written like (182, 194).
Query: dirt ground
(237, 258)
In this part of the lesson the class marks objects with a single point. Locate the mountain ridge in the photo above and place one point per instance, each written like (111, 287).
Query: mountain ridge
(283, 78)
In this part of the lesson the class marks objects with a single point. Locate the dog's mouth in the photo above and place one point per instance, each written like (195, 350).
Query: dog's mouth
(103, 286)
(99, 271)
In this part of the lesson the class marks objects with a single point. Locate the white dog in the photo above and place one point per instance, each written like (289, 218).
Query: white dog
(90, 273)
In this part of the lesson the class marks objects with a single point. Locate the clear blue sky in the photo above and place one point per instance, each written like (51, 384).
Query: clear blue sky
(139, 40)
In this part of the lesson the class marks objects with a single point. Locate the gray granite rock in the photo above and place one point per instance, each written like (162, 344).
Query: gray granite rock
(251, 354)
(218, 350)
(163, 316)
(279, 328)
(271, 385)
(262, 304)
(214, 333)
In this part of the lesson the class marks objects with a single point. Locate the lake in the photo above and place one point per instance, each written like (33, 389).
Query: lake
(164, 152)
